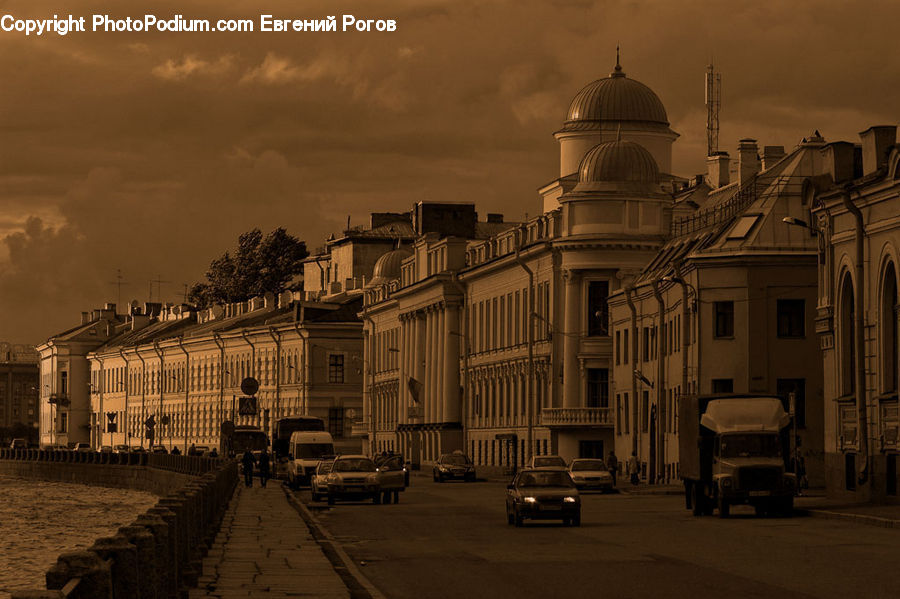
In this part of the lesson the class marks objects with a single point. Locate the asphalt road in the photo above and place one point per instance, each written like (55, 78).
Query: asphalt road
(452, 540)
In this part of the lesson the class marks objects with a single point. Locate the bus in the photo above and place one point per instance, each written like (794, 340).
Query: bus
(284, 428)
(244, 438)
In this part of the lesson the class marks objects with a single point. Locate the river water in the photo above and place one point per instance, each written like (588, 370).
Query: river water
(39, 520)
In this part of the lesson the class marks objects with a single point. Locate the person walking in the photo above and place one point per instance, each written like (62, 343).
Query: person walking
(192, 450)
(263, 468)
(612, 462)
(633, 468)
(248, 461)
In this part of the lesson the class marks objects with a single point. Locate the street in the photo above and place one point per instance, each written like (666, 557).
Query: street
(452, 540)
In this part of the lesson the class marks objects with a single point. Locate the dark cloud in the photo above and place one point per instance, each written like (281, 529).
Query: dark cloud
(150, 153)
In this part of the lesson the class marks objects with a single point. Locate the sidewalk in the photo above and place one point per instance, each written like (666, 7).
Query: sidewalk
(819, 506)
(265, 549)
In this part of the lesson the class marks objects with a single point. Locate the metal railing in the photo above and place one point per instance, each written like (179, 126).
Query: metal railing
(576, 417)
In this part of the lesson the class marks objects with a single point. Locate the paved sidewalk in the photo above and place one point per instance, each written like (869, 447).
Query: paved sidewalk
(817, 505)
(265, 549)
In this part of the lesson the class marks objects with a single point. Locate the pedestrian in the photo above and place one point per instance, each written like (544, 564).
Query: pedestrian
(612, 462)
(263, 467)
(192, 450)
(248, 461)
(213, 453)
(633, 468)
(175, 451)
(800, 471)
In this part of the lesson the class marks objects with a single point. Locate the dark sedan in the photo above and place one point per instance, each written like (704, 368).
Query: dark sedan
(453, 465)
(543, 495)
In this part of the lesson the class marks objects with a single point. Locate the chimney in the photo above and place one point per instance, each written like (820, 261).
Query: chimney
(876, 142)
(717, 169)
(85, 317)
(139, 321)
(748, 159)
(493, 217)
(771, 155)
(839, 161)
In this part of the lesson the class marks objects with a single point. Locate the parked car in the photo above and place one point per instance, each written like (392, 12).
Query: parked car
(18, 444)
(591, 474)
(139, 449)
(545, 462)
(453, 465)
(120, 448)
(201, 450)
(392, 477)
(84, 447)
(159, 449)
(105, 449)
(318, 484)
(395, 456)
(543, 495)
(353, 477)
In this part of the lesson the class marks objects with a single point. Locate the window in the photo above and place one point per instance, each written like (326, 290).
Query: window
(64, 383)
(336, 368)
(646, 344)
(618, 414)
(645, 411)
(336, 421)
(625, 346)
(618, 347)
(598, 388)
(784, 388)
(723, 385)
(63, 422)
(791, 318)
(625, 408)
(598, 308)
(724, 313)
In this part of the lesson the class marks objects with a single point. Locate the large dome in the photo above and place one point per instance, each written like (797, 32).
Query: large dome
(618, 161)
(615, 98)
(387, 267)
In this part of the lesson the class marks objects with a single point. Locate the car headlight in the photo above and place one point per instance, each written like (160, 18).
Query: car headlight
(727, 482)
(334, 478)
(443, 468)
(569, 499)
(529, 500)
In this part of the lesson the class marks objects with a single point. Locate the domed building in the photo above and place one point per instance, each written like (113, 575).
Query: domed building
(615, 107)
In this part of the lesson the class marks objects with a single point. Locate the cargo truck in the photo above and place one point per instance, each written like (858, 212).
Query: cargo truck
(734, 450)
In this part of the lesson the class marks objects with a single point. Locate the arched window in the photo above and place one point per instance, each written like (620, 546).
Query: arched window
(889, 330)
(847, 356)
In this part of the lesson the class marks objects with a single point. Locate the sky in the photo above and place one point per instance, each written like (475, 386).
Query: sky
(149, 153)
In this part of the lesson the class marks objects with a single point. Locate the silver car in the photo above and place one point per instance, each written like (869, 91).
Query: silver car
(353, 477)
(317, 482)
(591, 474)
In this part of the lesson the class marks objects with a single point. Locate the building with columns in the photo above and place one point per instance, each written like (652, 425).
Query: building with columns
(855, 207)
(185, 366)
(19, 392)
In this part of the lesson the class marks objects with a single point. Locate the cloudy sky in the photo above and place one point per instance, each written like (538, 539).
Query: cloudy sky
(151, 152)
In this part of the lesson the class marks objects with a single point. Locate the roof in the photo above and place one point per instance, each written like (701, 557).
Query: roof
(387, 267)
(620, 161)
(615, 98)
(745, 414)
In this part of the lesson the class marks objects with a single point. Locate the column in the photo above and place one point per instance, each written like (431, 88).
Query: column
(440, 397)
(451, 365)
(429, 362)
(571, 375)
(401, 362)
(419, 354)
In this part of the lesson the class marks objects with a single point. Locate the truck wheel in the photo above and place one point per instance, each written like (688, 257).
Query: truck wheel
(509, 517)
(760, 510)
(687, 495)
(787, 507)
(724, 507)
(576, 521)
(386, 497)
(376, 498)
(697, 499)
(396, 497)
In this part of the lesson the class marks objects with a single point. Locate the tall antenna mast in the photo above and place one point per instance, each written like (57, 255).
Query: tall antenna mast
(118, 283)
(713, 103)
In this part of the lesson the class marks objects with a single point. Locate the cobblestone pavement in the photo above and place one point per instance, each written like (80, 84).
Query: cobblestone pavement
(264, 549)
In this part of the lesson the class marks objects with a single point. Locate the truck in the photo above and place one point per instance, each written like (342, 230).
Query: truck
(244, 438)
(735, 449)
(307, 449)
(284, 428)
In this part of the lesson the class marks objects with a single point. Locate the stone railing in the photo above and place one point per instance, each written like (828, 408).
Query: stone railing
(576, 417)
(159, 554)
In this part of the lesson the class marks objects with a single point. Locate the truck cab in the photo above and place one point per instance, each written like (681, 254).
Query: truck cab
(733, 451)
(307, 449)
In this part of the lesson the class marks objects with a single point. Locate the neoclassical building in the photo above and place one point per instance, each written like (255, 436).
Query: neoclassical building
(501, 346)
(855, 209)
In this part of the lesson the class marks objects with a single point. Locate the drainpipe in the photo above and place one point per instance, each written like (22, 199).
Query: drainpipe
(160, 383)
(252, 362)
(102, 385)
(221, 345)
(127, 429)
(306, 358)
(369, 384)
(188, 424)
(464, 335)
(529, 399)
(859, 340)
(277, 339)
(660, 383)
(685, 329)
(629, 290)
(144, 374)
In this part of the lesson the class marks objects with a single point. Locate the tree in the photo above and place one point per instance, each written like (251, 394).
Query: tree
(259, 264)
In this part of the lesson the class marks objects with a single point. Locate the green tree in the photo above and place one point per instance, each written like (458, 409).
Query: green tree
(259, 264)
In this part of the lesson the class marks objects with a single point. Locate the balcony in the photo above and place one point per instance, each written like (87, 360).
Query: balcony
(359, 428)
(562, 417)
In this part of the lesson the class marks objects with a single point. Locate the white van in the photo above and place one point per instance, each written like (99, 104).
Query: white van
(307, 449)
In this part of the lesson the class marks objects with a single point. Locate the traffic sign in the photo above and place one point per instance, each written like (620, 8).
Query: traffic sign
(249, 386)
(247, 406)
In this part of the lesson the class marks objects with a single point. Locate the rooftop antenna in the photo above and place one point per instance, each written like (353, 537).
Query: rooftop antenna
(158, 280)
(713, 102)
(118, 283)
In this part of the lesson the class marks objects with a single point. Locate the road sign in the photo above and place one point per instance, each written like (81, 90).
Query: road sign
(249, 386)
(247, 406)
(228, 428)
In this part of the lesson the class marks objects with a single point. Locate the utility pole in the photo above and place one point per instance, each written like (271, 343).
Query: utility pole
(118, 283)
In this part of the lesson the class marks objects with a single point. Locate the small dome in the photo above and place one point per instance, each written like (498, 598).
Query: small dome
(615, 98)
(618, 161)
(387, 267)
